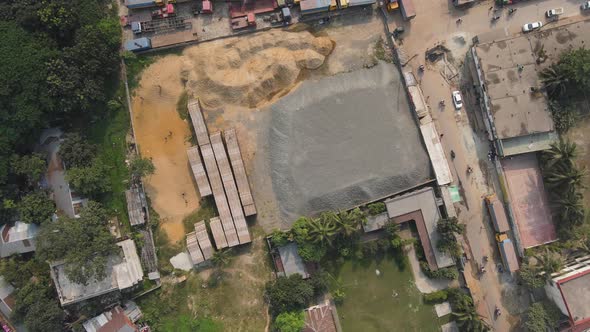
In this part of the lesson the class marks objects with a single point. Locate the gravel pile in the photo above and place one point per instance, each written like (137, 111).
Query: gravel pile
(344, 140)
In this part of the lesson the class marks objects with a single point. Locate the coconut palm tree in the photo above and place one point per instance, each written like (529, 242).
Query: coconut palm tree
(554, 80)
(348, 221)
(571, 208)
(565, 177)
(470, 321)
(222, 257)
(323, 229)
(550, 262)
(561, 152)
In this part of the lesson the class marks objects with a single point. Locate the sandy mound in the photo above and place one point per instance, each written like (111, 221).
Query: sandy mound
(251, 70)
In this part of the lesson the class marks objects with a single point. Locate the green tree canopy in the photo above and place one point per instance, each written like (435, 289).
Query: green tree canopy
(90, 180)
(541, 317)
(30, 166)
(37, 307)
(447, 228)
(140, 167)
(290, 321)
(36, 207)
(76, 151)
(288, 294)
(84, 244)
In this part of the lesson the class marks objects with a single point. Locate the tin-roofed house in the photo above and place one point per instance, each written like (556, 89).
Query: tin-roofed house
(18, 238)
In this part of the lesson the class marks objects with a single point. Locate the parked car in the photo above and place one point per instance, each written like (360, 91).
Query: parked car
(554, 12)
(531, 26)
(585, 5)
(457, 100)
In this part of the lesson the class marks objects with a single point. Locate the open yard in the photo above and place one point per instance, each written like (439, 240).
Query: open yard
(385, 301)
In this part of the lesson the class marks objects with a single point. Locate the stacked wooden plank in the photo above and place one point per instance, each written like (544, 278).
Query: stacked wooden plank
(219, 196)
(194, 159)
(231, 190)
(194, 109)
(203, 239)
(218, 234)
(235, 156)
(213, 174)
(194, 251)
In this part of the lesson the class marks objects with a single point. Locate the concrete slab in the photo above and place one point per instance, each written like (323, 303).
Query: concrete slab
(442, 309)
(182, 261)
(450, 327)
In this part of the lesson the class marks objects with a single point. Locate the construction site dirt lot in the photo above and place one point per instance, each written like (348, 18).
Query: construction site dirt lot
(253, 81)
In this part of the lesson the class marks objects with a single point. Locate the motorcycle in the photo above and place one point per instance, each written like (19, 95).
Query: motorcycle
(495, 18)
(511, 11)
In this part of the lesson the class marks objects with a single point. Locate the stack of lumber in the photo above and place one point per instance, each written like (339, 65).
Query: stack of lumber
(222, 174)
(198, 244)
(235, 155)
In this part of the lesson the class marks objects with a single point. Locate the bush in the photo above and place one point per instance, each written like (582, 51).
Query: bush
(444, 273)
(460, 300)
(290, 321)
(288, 294)
(436, 297)
(279, 238)
(310, 252)
(376, 208)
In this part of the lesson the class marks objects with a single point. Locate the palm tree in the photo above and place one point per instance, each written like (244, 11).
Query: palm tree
(348, 222)
(571, 208)
(324, 228)
(470, 321)
(562, 152)
(222, 257)
(554, 80)
(565, 177)
(550, 262)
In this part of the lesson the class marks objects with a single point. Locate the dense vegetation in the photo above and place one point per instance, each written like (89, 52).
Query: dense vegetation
(59, 61)
(566, 83)
(60, 69)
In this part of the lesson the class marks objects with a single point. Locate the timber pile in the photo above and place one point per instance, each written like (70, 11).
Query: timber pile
(199, 171)
(198, 244)
(225, 178)
(235, 156)
(229, 184)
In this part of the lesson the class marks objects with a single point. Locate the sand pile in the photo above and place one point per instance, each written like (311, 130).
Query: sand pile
(251, 70)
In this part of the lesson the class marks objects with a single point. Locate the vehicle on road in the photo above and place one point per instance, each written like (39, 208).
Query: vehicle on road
(531, 26)
(585, 5)
(408, 11)
(554, 12)
(457, 100)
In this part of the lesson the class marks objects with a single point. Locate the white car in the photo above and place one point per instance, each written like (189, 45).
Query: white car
(457, 100)
(531, 26)
(585, 5)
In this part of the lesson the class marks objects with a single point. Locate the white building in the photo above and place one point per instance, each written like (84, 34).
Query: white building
(570, 290)
(17, 239)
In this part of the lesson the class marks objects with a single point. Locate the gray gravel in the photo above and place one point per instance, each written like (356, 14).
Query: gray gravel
(344, 140)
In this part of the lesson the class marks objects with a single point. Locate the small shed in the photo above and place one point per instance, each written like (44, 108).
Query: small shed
(291, 261)
(139, 44)
(136, 206)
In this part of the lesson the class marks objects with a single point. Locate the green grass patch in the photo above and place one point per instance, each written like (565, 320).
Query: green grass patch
(109, 134)
(135, 65)
(182, 105)
(167, 309)
(384, 301)
(205, 212)
(381, 53)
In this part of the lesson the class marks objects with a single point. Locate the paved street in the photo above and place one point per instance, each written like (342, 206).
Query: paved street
(462, 133)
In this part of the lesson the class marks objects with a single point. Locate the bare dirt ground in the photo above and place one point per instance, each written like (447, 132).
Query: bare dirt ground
(162, 137)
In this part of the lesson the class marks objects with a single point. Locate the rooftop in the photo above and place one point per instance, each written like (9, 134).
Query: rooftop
(292, 262)
(17, 239)
(122, 271)
(320, 318)
(529, 200)
(114, 320)
(421, 206)
(515, 110)
(575, 290)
